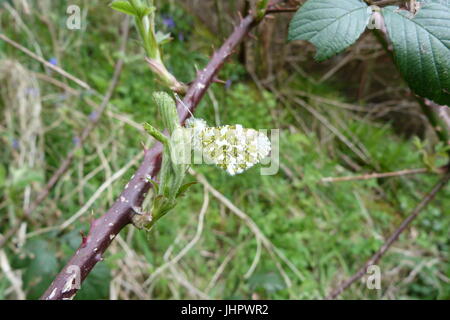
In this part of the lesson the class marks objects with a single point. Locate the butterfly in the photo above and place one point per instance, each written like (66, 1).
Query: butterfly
(230, 147)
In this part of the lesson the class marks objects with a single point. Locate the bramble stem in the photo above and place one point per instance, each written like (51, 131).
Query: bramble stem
(104, 229)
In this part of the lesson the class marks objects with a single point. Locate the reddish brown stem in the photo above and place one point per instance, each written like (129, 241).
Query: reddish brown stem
(104, 229)
(282, 10)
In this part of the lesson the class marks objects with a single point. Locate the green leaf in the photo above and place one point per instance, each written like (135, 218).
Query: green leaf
(163, 38)
(151, 130)
(96, 286)
(271, 282)
(145, 11)
(261, 7)
(42, 268)
(155, 185)
(168, 110)
(22, 177)
(2, 175)
(124, 7)
(332, 26)
(133, 9)
(162, 205)
(422, 49)
(184, 188)
(442, 2)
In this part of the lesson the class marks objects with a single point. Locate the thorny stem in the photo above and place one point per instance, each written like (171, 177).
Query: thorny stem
(104, 229)
(146, 29)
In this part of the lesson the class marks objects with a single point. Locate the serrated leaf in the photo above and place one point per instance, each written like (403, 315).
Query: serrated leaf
(124, 7)
(422, 49)
(332, 26)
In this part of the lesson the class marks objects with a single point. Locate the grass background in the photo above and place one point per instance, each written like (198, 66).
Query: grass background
(317, 234)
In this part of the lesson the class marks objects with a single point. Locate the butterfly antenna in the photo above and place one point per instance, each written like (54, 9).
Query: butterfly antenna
(184, 105)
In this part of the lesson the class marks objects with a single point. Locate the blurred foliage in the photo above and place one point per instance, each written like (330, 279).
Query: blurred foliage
(326, 231)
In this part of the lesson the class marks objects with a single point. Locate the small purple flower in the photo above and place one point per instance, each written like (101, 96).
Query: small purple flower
(33, 92)
(53, 61)
(228, 84)
(93, 116)
(15, 144)
(181, 36)
(168, 22)
(76, 141)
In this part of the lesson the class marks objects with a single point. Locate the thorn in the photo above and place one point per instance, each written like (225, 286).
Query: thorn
(93, 224)
(83, 239)
(240, 16)
(144, 147)
(251, 35)
(216, 80)
(99, 257)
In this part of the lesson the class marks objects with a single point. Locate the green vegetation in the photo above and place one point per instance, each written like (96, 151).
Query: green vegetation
(317, 233)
